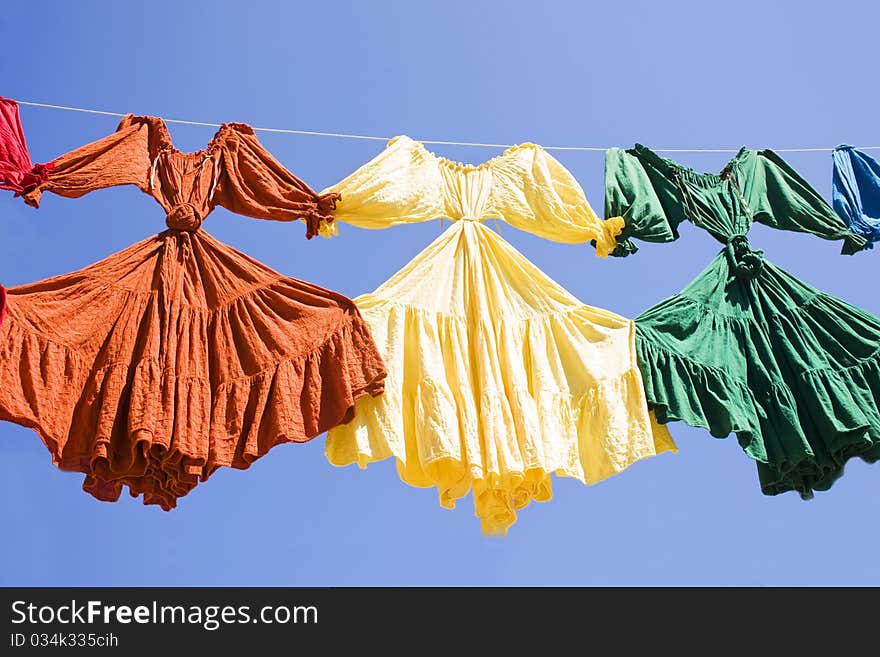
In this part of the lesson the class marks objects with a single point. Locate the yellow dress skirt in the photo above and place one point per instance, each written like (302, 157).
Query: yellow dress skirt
(497, 377)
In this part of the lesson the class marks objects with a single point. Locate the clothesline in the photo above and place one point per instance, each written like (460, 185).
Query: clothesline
(518, 381)
(343, 135)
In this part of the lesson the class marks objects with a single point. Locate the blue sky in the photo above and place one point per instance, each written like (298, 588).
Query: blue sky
(669, 75)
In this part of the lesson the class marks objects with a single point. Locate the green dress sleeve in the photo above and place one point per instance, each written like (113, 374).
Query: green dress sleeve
(645, 197)
(780, 198)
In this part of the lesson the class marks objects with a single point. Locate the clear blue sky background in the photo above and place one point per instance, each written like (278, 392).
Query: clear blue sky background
(672, 74)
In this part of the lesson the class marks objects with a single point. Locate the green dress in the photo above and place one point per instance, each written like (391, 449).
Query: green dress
(746, 348)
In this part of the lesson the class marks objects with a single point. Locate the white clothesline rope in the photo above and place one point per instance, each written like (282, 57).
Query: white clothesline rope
(343, 135)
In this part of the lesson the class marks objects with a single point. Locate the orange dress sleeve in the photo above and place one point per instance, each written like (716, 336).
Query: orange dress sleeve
(122, 158)
(255, 184)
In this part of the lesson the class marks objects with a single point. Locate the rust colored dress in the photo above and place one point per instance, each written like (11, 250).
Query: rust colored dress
(178, 355)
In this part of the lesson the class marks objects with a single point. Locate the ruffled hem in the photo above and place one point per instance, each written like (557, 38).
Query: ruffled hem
(161, 451)
(678, 389)
(497, 379)
(800, 438)
(599, 446)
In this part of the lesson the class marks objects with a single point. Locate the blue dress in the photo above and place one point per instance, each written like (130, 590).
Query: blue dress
(855, 191)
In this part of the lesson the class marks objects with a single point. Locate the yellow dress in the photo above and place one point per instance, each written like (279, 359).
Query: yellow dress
(497, 376)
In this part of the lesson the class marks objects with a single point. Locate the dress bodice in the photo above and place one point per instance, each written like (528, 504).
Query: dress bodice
(184, 183)
(233, 171)
(713, 202)
(524, 186)
(654, 195)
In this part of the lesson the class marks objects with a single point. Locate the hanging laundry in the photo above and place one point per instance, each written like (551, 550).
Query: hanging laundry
(855, 191)
(179, 355)
(746, 348)
(497, 376)
(16, 171)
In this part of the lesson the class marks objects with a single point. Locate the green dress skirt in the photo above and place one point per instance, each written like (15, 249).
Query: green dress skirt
(747, 348)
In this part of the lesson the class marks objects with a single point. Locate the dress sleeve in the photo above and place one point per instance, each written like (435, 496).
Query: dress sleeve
(122, 158)
(401, 185)
(780, 198)
(647, 200)
(855, 191)
(253, 183)
(533, 191)
(16, 171)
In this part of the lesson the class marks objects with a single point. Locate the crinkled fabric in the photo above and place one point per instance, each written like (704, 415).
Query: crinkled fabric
(746, 348)
(855, 191)
(17, 173)
(498, 377)
(156, 366)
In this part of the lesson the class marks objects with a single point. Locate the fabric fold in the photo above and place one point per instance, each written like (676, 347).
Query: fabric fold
(179, 355)
(498, 378)
(746, 348)
(855, 192)
(791, 371)
(607, 243)
(182, 358)
(17, 172)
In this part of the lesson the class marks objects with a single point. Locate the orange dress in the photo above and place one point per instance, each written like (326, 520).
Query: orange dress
(178, 355)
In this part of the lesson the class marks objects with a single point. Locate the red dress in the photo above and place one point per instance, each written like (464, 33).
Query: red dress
(16, 171)
(178, 355)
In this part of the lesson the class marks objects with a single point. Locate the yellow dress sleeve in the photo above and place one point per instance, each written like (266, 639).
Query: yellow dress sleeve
(534, 192)
(401, 185)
